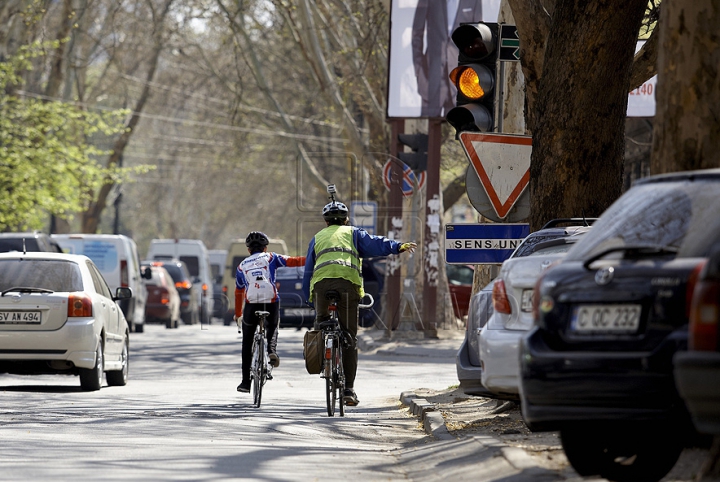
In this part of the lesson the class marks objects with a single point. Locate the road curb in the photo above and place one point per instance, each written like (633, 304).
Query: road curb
(433, 421)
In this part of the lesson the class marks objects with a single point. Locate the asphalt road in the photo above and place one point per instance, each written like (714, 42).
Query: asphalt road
(180, 417)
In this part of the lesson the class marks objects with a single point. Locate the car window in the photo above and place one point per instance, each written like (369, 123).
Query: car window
(156, 279)
(559, 248)
(681, 215)
(236, 261)
(289, 273)
(16, 244)
(103, 253)
(55, 275)
(192, 263)
(459, 274)
(99, 282)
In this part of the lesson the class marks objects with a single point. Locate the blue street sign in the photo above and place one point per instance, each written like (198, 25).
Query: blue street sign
(482, 243)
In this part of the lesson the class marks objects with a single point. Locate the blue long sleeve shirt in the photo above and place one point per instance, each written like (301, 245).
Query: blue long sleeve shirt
(367, 246)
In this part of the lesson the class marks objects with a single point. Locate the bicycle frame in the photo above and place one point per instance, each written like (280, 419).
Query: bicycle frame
(260, 368)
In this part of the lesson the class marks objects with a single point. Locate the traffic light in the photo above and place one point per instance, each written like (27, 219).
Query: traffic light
(417, 159)
(474, 77)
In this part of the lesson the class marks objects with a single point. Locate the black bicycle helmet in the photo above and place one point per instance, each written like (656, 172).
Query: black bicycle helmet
(256, 239)
(335, 211)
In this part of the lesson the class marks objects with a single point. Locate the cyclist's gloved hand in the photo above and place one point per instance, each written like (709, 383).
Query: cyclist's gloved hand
(408, 247)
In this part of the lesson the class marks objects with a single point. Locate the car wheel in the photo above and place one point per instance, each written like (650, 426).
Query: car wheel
(186, 318)
(91, 378)
(624, 453)
(119, 378)
(139, 328)
(169, 323)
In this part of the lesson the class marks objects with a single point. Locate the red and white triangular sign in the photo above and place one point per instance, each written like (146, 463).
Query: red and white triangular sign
(502, 162)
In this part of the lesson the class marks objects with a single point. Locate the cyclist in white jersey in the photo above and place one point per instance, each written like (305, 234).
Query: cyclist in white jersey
(255, 290)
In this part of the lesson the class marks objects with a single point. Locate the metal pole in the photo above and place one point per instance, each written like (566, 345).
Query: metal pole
(432, 238)
(394, 227)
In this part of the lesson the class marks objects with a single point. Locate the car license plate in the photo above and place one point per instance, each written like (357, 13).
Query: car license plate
(20, 317)
(299, 312)
(526, 301)
(606, 318)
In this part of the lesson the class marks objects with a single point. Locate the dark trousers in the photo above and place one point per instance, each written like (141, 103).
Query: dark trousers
(347, 315)
(249, 323)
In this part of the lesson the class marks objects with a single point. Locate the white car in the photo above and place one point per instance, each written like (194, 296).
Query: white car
(499, 339)
(57, 315)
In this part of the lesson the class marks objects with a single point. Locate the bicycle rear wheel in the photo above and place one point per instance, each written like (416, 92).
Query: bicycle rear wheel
(340, 383)
(256, 374)
(330, 379)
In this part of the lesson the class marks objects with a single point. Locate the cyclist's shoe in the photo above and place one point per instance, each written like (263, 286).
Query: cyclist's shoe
(274, 359)
(244, 386)
(349, 398)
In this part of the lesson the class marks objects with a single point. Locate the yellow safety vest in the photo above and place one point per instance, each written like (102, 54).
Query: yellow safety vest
(336, 257)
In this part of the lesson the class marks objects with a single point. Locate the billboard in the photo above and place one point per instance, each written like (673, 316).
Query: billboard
(422, 53)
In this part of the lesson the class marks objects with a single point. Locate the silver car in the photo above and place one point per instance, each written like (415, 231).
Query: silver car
(57, 315)
(512, 298)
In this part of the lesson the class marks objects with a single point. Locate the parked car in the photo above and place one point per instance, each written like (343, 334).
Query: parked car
(697, 371)
(237, 251)
(116, 256)
(217, 259)
(293, 309)
(468, 363)
(163, 299)
(460, 281)
(28, 241)
(194, 254)
(189, 309)
(57, 315)
(598, 364)
(499, 339)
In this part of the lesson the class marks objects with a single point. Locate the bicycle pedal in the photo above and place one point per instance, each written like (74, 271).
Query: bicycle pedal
(269, 376)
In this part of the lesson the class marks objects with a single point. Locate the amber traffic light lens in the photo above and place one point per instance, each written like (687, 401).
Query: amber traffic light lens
(469, 85)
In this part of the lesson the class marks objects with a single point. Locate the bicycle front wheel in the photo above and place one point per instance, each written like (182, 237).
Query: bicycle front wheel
(330, 392)
(257, 371)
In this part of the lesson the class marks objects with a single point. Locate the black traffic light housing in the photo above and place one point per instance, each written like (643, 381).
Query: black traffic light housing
(475, 77)
(417, 159)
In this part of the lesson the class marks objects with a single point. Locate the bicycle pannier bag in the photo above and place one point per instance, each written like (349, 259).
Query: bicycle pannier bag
(313, 351)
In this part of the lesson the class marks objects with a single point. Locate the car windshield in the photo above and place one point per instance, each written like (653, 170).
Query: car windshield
(192, 263)
(16, 244)
(680, 215)
(55, 275)
(176, 273)
(459, 274)
(556, 249)
(289, 273)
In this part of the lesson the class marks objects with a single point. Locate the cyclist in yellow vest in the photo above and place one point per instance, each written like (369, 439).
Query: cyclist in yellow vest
(333, 262)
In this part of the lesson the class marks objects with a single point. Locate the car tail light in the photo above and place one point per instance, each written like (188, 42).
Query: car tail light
(704, 316)
(164, 300)
(79, 305)
(500, 300)
(124, 282)
(690, 287)
(183, 284)
(225, 290)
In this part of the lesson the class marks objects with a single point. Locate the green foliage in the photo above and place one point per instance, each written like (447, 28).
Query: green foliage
(47, 162)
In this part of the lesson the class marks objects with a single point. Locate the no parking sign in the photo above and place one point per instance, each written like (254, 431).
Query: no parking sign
(408, 181)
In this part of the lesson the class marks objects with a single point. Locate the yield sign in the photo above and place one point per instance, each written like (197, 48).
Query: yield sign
(502, 163)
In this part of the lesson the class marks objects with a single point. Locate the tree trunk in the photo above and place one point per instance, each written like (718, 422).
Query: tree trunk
(578, 138)
(687, 121)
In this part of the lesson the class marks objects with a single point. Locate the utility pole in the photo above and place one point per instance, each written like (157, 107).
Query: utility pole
(432, 238)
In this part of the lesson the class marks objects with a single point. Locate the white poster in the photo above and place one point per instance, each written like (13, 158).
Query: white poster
(641, 101)
(422, 55)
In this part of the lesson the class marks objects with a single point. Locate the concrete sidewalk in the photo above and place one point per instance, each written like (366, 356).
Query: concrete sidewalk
(449, 457)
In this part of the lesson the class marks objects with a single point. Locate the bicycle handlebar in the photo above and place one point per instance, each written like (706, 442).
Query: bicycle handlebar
(372, 301)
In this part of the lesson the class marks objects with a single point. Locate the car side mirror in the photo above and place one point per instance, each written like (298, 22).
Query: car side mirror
(147, 273)
(122, 294)
(196, 279)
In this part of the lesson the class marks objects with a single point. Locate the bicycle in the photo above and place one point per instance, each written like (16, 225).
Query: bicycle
(334, 341)
(260, 367)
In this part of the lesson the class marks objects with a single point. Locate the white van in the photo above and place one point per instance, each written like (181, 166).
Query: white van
(116, 256)
(237, 251)
(195, 255)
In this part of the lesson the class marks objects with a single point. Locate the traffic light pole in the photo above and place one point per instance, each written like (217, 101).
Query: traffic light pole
(432, 240)
(394, 221)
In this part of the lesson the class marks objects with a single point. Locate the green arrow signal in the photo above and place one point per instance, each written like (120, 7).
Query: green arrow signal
(512, 43)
